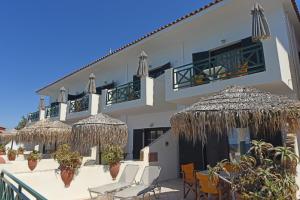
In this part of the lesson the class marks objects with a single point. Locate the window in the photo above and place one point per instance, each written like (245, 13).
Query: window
(239, 143)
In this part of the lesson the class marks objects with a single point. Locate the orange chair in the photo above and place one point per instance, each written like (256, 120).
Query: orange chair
(230, 168)
(207, 186)
(189, 179)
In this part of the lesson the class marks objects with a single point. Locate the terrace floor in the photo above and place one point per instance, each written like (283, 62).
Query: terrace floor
(171, 190)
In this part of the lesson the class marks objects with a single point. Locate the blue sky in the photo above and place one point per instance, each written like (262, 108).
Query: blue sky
(41, 41)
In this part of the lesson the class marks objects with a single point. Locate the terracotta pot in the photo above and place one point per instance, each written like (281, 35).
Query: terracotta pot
(11, 157)
(67, 175)
(114, 170)
(32, 164)
(2, 161)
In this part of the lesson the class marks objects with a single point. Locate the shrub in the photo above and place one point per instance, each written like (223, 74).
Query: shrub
(11, 152)
(34, 155)
(67, 158)
(112, 154)
(265, 172)
(21, 150)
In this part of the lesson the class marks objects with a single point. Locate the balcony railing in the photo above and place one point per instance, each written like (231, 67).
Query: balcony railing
(13, 188)
(127, 92)
(34, 116)
(78, 105)
(52, 111)
(230, 64)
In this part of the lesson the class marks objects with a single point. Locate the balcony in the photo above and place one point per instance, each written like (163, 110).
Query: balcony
(52, 111)
(79, 105)
(127, 92)
(34, 116)
(227, 65)
(248, 63)
(128, 97)
(82, 107)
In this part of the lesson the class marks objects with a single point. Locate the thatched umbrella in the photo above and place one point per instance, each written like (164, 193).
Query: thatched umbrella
(45, 131)
(143, 69)
(92, 84)
(42, 103)
(62, 95)
(234, 107)
(98, 130)
(260, 26)
(6, 137)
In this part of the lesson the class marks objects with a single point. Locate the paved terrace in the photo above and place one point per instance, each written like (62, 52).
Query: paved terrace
(48, 183)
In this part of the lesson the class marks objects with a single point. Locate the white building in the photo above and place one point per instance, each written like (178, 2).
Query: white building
(189, 58)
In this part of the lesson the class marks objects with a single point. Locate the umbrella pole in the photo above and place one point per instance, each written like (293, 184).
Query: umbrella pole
(12, 144)
(99, 150)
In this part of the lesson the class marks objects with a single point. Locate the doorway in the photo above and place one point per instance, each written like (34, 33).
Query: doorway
(144, 137)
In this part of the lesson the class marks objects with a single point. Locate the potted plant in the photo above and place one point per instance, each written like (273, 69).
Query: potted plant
(69, 163)
(199, 79)
(32, 159)
(11, 154)
(265, 172)
(2, 149)
(112, 155)
(21, 151)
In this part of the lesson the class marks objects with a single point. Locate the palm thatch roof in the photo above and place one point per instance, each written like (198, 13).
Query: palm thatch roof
(99, 129)
(233, 107)
(6, 137)
(45, 131)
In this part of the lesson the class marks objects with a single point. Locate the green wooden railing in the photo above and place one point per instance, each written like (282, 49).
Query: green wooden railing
(52, 111)
(226, 65)
(34, 116)
(78, 105)
(12, 188)
(127, 92)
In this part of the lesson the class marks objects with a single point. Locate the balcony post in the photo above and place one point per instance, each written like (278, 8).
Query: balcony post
(62, 112)
(147, 90)
(93, 104)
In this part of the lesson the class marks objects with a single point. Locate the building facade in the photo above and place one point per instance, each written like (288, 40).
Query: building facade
(194, 56)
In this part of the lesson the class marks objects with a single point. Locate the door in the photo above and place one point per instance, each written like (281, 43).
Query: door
(138, 143)
(190, 152)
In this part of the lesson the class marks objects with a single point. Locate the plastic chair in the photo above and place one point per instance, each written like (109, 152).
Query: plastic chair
(189, 179)
(207, 186)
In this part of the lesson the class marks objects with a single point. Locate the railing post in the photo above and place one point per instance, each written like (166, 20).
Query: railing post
(62, 111)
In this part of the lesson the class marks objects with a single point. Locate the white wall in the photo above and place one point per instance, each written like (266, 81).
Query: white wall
(206, 30)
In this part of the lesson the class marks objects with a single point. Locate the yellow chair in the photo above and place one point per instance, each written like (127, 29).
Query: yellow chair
(189, 179)
(207, 186)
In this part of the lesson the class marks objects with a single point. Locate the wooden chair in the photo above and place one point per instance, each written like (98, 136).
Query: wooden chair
(207, 187)
(189, 179)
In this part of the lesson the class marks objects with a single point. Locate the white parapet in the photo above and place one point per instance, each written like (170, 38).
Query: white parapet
(62, 111)
(42, 114)
(93, 104)
(145, 100)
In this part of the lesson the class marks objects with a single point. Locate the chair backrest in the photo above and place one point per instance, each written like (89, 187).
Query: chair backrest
(129, 173)
(188, 170)
(230, 168)
(206, 185)
(150, 175)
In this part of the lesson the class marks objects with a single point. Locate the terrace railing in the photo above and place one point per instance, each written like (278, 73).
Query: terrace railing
(78, 105)
(226, 65)
(52, 111)
(127, 92)
(34, 116)
(12, 188)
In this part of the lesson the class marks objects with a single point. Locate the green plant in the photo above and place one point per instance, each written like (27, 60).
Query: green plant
(2, 148)
(22, 123)
(265, 172)
(34, 155)
(66, 158)
(112, 154)
(21, 150)
(12, 152)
